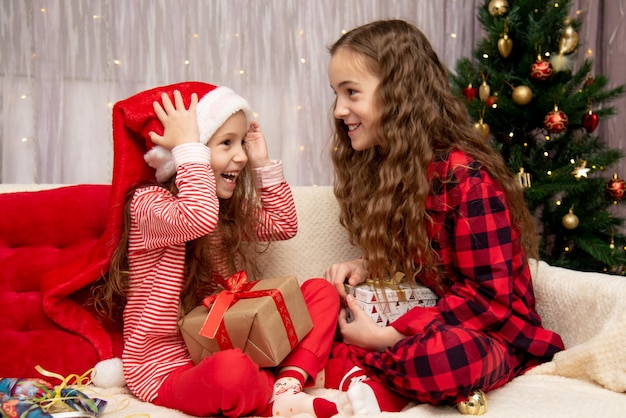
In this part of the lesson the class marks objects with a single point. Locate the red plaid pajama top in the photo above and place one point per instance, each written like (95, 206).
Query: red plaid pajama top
(484, 329)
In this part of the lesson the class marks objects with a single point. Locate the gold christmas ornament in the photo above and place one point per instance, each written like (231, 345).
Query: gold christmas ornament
(482, 127)
(498, 7)
(505, 45)
(524, 179)
(569, 39)
(522, 95)
(476, 404)
(483, 91)
(570, 221)
(567, 44)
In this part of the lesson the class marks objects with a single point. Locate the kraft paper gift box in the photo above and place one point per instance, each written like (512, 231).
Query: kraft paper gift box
(266, 319)
(387, 302)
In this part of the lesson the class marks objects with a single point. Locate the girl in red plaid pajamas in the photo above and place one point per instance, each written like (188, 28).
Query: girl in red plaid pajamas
(422, 193)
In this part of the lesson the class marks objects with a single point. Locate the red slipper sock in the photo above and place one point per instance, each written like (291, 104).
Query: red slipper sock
(289, 400)
(368, 397)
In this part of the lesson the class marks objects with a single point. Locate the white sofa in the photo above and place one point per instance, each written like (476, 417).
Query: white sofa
(588, 310)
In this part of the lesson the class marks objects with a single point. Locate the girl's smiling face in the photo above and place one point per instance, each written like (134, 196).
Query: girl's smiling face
(228, 154)
(355, 87)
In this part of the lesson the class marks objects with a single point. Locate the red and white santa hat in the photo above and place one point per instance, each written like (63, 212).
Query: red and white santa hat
(215, 106)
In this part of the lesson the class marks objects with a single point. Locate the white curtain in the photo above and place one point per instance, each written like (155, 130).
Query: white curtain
(63, 64)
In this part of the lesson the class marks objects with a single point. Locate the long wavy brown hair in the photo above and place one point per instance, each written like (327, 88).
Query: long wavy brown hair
(236, 231)
(382, 191)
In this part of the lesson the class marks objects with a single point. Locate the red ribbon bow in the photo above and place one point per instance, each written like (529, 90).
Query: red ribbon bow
(237, 287)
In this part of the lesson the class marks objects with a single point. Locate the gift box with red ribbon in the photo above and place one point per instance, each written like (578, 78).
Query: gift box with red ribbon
(388, 300)
(266, 319)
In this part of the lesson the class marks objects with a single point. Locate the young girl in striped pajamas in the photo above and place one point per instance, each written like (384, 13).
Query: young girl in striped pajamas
(422, 193)
(185, 232)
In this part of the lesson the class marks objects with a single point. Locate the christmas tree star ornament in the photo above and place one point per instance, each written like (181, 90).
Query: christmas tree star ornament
(581, 171)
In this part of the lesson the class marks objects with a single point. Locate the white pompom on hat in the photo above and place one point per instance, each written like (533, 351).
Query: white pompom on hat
(215, 106)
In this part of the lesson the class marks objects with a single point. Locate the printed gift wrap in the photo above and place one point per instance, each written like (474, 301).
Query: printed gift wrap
(387, 302)
(266, 319)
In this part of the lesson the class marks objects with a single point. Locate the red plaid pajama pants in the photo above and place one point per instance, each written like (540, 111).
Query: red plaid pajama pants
(443, 364)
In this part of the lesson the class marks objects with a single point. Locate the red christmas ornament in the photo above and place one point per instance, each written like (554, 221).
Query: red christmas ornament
(615, 188)
(555, 121)
(491, 100)
(589, 80)
(470, 92)
(541, 70)
(590, 121)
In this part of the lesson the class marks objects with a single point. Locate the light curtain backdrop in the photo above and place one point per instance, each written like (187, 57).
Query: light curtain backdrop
(64, 63)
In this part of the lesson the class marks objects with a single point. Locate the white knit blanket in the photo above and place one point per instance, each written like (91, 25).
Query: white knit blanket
(525, 397)
(589, 311)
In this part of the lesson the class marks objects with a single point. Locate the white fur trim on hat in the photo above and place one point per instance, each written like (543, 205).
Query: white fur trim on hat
(213, 109)
(108, 374)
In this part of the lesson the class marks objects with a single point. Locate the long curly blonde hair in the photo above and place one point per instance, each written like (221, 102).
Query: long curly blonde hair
(382, 190)
(236, 227)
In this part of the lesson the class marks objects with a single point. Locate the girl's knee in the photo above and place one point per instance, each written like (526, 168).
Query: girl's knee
(231, 368)
(321, 290)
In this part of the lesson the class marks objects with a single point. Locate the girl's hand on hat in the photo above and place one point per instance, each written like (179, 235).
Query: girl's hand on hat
(180, 125)
(256, 148)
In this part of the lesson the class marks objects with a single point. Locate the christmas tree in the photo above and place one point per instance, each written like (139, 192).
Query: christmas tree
(527, 98)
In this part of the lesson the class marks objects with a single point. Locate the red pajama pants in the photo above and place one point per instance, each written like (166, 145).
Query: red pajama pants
(443, 364)
(228, 383)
